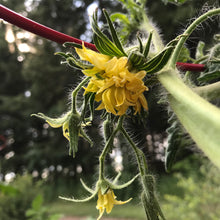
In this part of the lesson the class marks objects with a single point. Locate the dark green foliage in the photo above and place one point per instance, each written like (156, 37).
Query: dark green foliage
(177, 139)
(17, 199)
(39, 211)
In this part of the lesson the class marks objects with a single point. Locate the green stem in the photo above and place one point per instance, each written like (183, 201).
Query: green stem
(106, 149)
(142, 165)
(199, 117)
(75, 92)
(187, 33)
(209, 92)
(149, 201)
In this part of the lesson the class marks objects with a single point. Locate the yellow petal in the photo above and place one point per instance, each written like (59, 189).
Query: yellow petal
(66, 130)
(119, 96)
(97, 59)
(143, 101)
(91, 72)
(109, 100)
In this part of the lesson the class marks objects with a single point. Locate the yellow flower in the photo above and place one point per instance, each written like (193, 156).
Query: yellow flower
(107, 201)
(115, 86)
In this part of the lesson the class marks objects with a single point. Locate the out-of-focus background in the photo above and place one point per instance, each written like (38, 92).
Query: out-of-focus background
(35, 167)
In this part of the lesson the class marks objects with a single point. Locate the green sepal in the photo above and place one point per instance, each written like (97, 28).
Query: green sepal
(115, 186)
(148, 44)
(103, 185)
(136, 59)
(74, 129)
(158, 62)
(141, 47)
(86, 187)
(103, 44)
(53, 122)
(71, 44)
(113, 33)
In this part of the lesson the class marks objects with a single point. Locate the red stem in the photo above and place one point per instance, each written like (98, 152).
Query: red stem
(39, 29)
(190, 67)
(48, 33)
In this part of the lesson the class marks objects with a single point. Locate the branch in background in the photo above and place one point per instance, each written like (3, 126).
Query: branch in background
(48, 33)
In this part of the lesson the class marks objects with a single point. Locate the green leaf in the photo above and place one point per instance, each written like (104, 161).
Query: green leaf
(103, 41)
(199, 50)
(37, 202)
(184, 55)
(212, 73)
(120, 16)
(113, 33)
(8, 190)
(177, 138)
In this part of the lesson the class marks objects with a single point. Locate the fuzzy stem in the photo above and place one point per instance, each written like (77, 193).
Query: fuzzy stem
(106, 149)
(142, 165)
(153, 209)
(200, 118)
(209, 92)
(75, 92)
(187, 33)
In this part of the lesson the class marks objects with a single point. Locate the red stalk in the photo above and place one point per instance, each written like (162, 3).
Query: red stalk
(39, 29)
(48, 33)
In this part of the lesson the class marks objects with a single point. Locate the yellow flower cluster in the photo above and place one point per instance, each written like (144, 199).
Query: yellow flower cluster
(115, 86)
(107, 201)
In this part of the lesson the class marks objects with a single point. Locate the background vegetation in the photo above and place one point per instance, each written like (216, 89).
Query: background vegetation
(34, 81)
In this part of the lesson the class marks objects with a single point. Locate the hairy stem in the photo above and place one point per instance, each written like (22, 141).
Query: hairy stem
(106, 149)
(75, 92)
(209, 92)
(187, 33)
(199, 117)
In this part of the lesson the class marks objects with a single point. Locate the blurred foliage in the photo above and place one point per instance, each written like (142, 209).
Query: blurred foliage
(17, 198)
(193, 192)
(39, 211)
